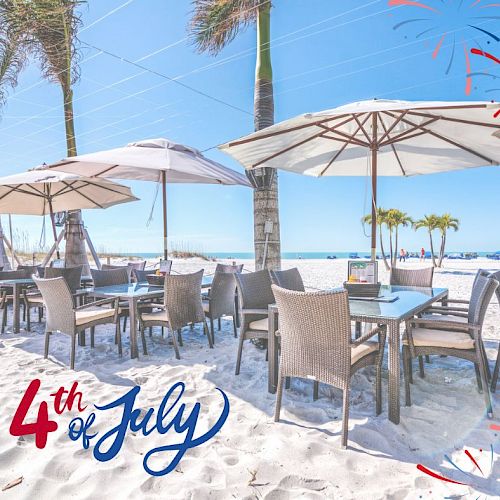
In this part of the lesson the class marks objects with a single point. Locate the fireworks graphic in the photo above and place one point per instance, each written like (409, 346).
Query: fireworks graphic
(467, 478)
(458, 25)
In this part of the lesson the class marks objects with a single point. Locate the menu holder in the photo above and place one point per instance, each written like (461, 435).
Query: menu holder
(368, 290)
(362, 271)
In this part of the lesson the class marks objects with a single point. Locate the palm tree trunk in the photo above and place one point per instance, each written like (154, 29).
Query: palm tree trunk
(395, 261)
(387, 267)
(432, 249)
(391, 248)
(75, 253)
(441, 250)
(265, 198)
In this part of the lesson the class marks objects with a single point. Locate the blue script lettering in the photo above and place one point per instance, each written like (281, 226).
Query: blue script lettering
(110, 443)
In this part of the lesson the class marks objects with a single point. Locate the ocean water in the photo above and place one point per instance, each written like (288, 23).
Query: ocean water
(284, 255)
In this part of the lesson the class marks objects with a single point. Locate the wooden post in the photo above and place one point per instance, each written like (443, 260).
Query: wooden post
(62, 234)
(164, 199)
(92, 249)
(374, 150)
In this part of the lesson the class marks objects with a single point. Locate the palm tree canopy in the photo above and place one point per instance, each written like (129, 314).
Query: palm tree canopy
(381, 217)
(397, 218)
(47, 28)
(430, 222)
(12, 60)
(446, 222)
(215, 23)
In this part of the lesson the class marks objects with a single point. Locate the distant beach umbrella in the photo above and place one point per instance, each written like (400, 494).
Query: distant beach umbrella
(377, 138)
(42, 192)
(157, 160)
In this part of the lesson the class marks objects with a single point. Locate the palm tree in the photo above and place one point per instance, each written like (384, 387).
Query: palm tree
(429, 222)
(444, 223)
(47, 31)
(381, 220)
(214, 25)
(396, 219)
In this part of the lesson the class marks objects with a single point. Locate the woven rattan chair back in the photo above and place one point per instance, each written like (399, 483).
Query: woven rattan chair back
(30, 269)
(289, 279)
(482, 292)
(58, 303)
(140, 275)
(72, 275)
(137, 265)
(110, 277)
(254, 289)
(229, 268)
(412, 277)
(222, 294)
(15, 275)
(496, 276)
(183, 299)
(315, 331)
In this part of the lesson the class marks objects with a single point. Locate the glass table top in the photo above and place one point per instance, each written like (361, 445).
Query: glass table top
(407, 300)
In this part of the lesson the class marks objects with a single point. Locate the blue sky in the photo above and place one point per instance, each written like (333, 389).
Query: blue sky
(325, 53)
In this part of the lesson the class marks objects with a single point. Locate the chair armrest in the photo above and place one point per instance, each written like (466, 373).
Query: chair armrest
(457, 301)
(255, 311)
(114, 300)
(446, 311)
(375, 331)
(443, 325)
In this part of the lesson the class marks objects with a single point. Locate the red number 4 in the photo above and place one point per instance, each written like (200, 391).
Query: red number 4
(41, 427)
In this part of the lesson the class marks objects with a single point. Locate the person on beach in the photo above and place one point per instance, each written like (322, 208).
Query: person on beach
(422, 254)
(402, 255)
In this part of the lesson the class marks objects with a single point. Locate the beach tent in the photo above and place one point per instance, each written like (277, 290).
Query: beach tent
(377, 138)
(42, 192)
(157, 160)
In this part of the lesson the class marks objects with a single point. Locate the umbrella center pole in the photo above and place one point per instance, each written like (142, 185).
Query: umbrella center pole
(374, 155)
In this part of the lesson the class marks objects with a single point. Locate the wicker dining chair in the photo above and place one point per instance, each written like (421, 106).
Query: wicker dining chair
(181, 307)
(255, 294)
(316, 343)
(28, 268)
(63, 317)
(6, 296)
(73, 277)
(412, 277)
(289, 279)
(140, 275)
(460, 338)
(220, 301)
(494, 378)
(228, 268)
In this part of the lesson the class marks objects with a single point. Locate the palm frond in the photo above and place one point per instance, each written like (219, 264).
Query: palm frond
(215, 23)
(12, 60)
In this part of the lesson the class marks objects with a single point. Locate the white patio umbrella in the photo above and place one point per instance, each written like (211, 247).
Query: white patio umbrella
(158, 160)
(42, 192)
(377, 138)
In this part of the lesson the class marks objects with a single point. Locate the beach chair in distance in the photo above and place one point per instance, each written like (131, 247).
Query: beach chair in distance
(460, 338)
(182, 306)
(64, 317)
(316, 343)
(254, 295)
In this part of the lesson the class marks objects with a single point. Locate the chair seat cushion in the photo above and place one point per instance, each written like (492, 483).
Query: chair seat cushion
(161, 316)
(362, 350)
(440, 338)
(88, 315)
(259, 324)
(35, 299)
(206, 305)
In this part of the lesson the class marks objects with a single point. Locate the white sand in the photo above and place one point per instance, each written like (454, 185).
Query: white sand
(253, 457)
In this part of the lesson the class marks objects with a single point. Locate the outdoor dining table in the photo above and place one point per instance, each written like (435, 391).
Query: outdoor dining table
(17, 286)
(395, 305)
(133, 293)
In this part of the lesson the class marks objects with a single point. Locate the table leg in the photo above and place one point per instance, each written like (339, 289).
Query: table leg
(394, 368)
(134, 352)
(272, 351)
(15, 308)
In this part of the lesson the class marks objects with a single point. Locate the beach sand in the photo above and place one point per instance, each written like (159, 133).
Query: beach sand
(252, 456)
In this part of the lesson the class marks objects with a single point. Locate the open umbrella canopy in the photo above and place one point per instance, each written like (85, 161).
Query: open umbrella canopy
(410, 138)
(146, 160)
(42, 192)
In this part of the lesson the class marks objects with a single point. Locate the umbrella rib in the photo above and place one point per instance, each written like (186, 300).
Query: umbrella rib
(279, 132)
(405, 138)
(339, 152)
(105, 171)
(394, 123)
(450, 141)
(456, 120)
(83, 195)
(402, 136)
(386, 133)
(18, 189)
(368, 138)
(347, 136)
